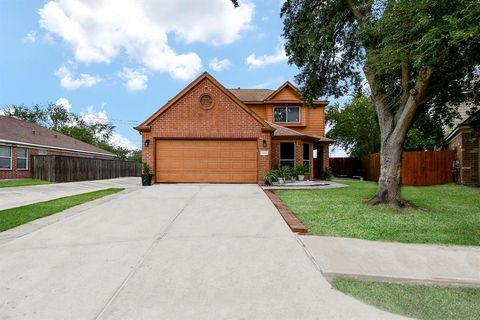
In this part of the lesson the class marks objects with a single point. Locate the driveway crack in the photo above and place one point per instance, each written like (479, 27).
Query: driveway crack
(162, 234)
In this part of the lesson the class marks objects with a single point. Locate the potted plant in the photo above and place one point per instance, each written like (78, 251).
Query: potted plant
(283, 172)
(327, 174)
(300, 171)
(146, 175)
(270, 176)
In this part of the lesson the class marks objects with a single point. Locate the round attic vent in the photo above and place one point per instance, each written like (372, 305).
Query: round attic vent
(206, 101)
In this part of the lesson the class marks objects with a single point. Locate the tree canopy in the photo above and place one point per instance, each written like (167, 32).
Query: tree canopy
(57, 118)
(354, 127)
(415, 54)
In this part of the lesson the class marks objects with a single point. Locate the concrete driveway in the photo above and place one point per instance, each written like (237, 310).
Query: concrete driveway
(20, 196)
(181, 251)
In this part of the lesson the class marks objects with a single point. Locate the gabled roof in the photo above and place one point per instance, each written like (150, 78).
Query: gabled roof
(281, 131)
(145, 126)
(249, 95)
(466, 115)
(287, 84)
(17, 131)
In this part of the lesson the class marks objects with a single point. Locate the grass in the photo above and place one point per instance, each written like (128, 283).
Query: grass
(417, 301)
(13, 217)
(21, 183)
(447, 214)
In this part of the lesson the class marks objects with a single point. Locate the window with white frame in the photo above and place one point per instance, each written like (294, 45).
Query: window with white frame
(5, 157)
(306, 156)
(22, 159)
(286, 114)
(287, 154)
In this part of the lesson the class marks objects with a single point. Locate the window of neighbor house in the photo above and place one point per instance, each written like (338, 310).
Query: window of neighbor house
(5, 157)
(286, 114)
(22, 158)
(306, 156)
(287, 154)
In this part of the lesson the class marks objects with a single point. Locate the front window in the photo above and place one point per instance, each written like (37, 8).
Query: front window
(306, 156)
(5, 157)
(286, 114)
(287, 154)
(22, 158)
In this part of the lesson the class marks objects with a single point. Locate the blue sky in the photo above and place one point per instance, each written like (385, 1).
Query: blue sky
(122, 60)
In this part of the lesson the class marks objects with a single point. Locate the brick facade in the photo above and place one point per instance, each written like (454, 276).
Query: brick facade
(183, 117)
(467, 145)
(15, 173)
(225, 120)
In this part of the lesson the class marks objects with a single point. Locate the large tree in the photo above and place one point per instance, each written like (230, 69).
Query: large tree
(415, 54)
(359, 138)
(57, 118)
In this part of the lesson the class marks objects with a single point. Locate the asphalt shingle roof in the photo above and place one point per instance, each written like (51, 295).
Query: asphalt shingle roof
(13, 129)
(251, 94)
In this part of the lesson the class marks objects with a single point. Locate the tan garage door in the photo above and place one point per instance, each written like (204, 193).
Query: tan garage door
(206, 161)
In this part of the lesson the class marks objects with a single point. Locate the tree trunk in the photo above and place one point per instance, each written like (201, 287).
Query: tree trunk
(389, 181)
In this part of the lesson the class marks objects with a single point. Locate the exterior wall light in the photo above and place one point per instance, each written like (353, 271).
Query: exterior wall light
(264, 143)
(146, 143)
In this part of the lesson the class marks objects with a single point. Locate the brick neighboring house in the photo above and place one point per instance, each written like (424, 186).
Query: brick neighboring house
(207, 133)
(19, 140)
(465, 139)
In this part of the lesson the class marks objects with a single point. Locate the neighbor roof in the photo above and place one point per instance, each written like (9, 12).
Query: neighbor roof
(13, 130)
(251, 94)
(281, 131)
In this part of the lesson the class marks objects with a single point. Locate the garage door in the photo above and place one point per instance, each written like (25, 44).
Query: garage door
(206, 161)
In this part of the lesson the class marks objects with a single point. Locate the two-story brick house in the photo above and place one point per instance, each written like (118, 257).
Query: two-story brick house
(208, 133)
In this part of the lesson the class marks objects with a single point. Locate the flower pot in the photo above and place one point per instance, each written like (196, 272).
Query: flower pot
(146, 179)
(301, 177)
(281, 180)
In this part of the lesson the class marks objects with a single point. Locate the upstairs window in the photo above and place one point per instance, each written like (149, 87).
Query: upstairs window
(22, 159)
(5, 157)
(286, 114)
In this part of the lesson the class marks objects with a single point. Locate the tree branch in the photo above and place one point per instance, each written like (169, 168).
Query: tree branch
(404, 116)
(405, 82)
(354, 8)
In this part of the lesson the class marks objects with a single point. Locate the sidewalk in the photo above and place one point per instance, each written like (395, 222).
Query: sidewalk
(21, 196)
(395, 262)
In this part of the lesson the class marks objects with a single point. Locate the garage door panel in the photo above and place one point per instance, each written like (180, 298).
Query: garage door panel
(206, 161)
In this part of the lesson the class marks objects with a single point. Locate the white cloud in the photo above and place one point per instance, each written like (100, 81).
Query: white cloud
(31, 37)
(64, 103)
(261, 61)
(219, 65)
(135, 79)
(120, 141)
(98, 31)
(69, 82)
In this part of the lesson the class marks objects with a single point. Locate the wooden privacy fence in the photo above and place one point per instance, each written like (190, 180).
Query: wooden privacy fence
(346, 166)
(419, 168)
(67, 169)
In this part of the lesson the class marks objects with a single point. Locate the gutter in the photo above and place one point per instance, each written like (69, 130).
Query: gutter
(56, 148)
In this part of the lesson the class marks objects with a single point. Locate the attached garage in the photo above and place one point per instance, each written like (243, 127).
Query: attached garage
(226, 161)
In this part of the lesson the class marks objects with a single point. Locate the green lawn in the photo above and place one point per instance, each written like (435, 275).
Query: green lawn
(447, 214)
(21, 183)
(417, 301)
(13, 217)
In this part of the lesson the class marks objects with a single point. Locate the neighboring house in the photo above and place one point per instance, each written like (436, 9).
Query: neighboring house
(19, 140)
(210, 134)
(465, 139)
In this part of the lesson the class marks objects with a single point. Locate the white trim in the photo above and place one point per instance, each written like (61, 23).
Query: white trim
(295, 106)
(11, 159)
(52, 147)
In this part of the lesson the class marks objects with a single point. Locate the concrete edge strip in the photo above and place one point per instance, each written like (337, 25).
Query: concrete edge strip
(293, 222)
(70, 213)
(160, 236)
(444, 282)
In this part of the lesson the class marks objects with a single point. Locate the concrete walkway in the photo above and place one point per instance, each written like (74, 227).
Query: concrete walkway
(180, 251)
(391, 261)
(20, 196)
